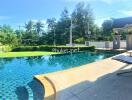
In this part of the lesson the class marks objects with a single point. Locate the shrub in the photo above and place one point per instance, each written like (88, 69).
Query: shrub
(80, 40)
(52, 48)
(6, 48)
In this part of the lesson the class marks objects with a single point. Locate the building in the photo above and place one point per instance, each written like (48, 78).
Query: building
(125, 25)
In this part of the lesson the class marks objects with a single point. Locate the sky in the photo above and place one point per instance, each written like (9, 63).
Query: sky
(18, 12)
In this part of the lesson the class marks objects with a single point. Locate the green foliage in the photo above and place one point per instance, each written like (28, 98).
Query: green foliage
(51, 23)
(123, 35)
(6, 48)
(63, 28)
(51, 48)
(83, 20)
(34, 32)
(80, 40)
(7, 36)
(6, 29)
(107, 27)
(81, 16)
(39, 27)
(29, 26)
(83, 29)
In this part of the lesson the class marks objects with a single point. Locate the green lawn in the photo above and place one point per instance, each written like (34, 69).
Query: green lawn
(23, 54)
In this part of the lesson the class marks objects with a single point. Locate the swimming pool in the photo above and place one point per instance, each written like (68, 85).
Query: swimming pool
(16, 74)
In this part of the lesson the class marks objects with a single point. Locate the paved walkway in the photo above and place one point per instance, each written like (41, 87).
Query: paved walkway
(95, 81)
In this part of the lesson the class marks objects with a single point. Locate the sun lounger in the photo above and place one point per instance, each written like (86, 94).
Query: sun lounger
(123, 58)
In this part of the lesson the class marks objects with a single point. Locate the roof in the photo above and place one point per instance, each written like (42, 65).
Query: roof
(121, 22)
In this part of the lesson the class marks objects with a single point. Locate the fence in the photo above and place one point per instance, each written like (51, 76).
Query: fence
(105, 44)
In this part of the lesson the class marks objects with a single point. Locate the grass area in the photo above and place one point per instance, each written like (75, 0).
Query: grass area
(24, 54)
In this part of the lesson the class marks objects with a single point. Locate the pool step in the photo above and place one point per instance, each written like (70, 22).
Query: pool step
(30, 93)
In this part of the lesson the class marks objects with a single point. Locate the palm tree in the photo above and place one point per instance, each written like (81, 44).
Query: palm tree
(29, 26)
(51, 23)
(52, 27)
(39, 27)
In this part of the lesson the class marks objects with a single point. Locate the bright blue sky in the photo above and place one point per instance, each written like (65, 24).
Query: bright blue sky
(17, 12)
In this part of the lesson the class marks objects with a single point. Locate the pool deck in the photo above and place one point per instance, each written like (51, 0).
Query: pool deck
(94, 81)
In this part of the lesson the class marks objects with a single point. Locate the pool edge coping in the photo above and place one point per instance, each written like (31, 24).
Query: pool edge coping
(48, 85)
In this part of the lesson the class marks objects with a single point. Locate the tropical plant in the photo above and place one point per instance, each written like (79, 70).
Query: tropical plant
(29, 26)
(39, 27)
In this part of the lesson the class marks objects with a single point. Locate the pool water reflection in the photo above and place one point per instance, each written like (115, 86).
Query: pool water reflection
(16, 74)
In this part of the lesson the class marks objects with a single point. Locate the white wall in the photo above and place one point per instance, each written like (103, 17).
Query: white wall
(97, 44)
(123, 44)
(103, 44)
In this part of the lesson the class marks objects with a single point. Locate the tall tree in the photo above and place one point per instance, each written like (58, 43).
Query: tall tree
(39, 28)
(7, 36)
(52, 29)
(30, 37)
(29, 26)
(63, 28)
(51, 24)
(107, 27)
(83, 19)
(6, 29)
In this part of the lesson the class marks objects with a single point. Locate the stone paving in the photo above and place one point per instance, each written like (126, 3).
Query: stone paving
(95, 81)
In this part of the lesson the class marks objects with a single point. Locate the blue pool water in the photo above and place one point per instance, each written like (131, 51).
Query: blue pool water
(16, 74)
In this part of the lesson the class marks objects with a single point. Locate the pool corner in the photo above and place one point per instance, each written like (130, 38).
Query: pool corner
(48, 86)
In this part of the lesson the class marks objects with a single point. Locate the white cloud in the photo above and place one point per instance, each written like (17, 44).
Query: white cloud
(99, 21)
(34, 20)
(126, 12)
(43, 21)
(105, 1)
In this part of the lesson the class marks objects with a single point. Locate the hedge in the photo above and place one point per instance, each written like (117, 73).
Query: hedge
(52, 48)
